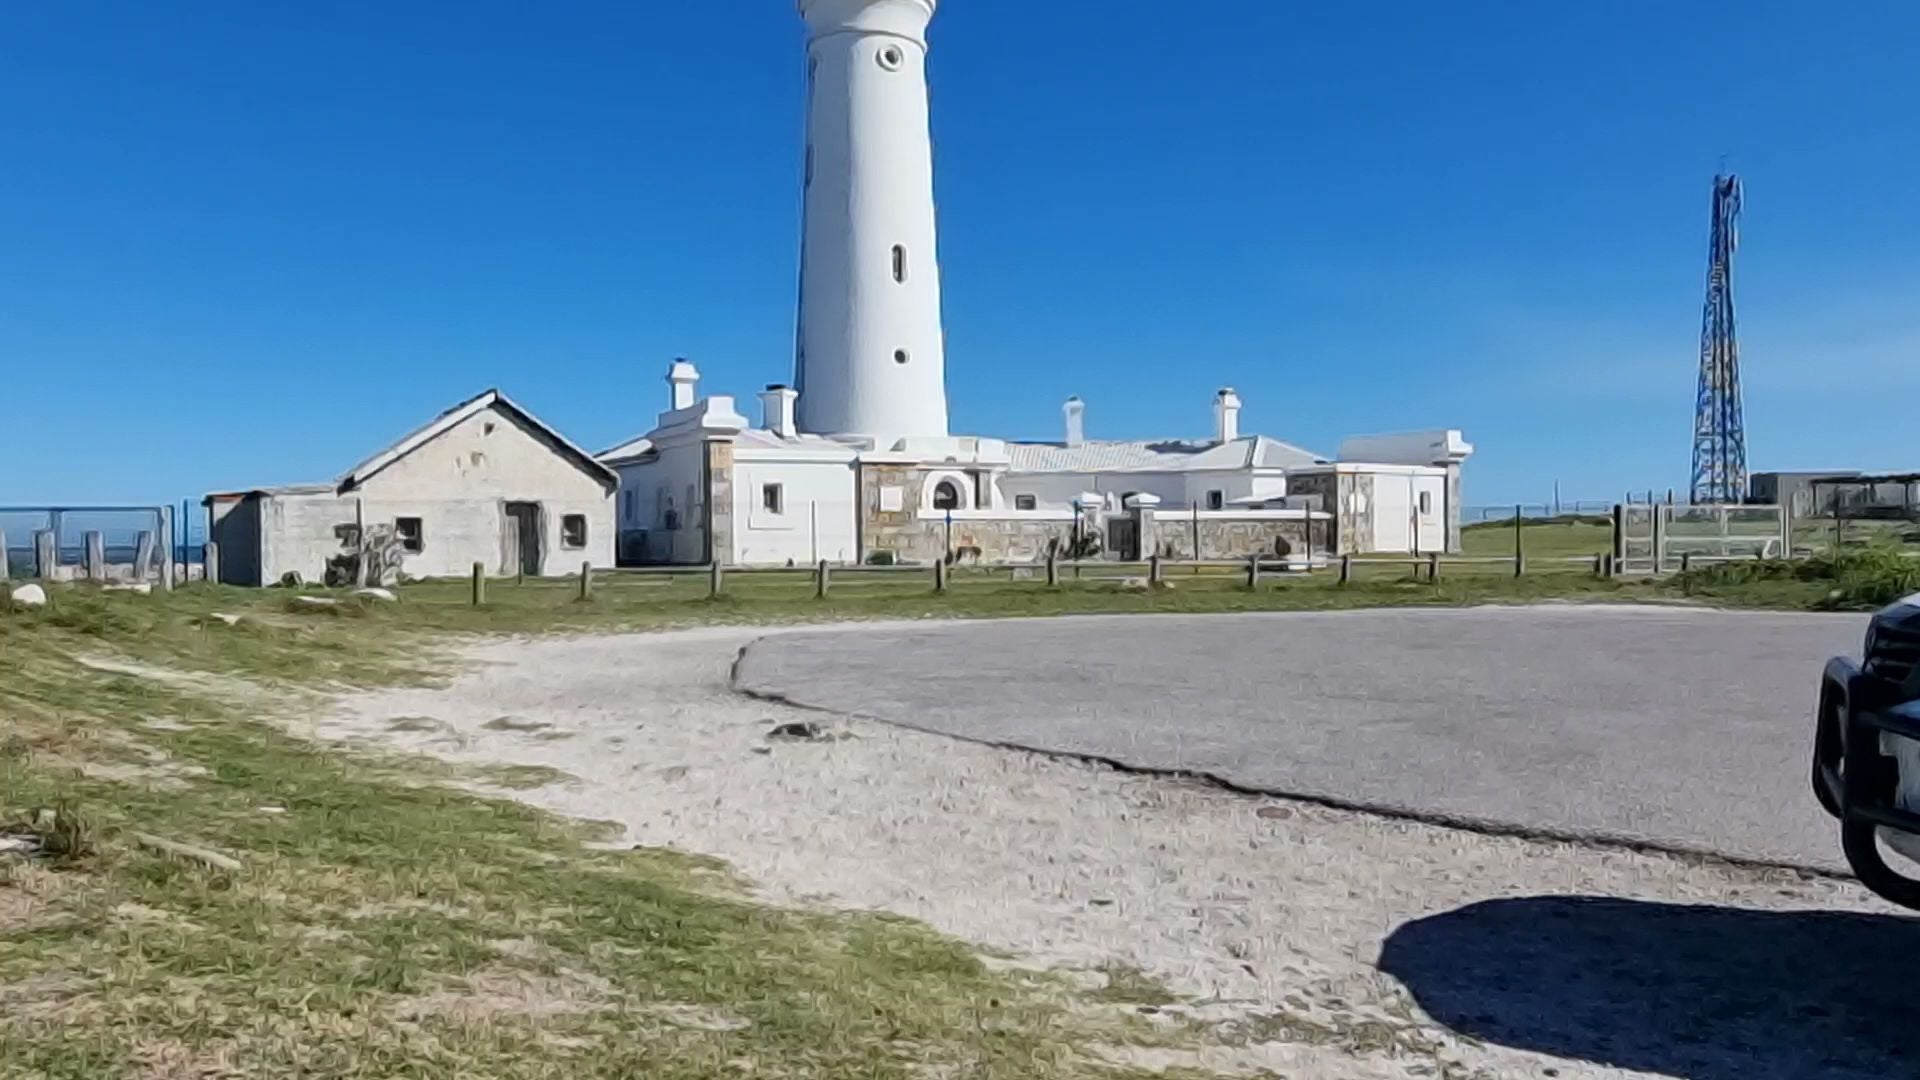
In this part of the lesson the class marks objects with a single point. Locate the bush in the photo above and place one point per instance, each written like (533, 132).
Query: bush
(1872, 577)
(880, 558)
(1867, 577)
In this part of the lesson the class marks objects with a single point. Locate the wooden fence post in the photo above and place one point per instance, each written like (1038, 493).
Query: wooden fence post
(210, 562)
(1253, 571)
(822, 579)
(1346, 569)
(1686, 573)
(1599, 566)
(479, 584)
(716, 580)
(363, 549)
(1153, 569)
(46, 554)
(1053, 569)
(1433, 567)
(96, 556)
(6, 568)
(1519, 544)
(940, 575)
(143, 555)
(586, 581)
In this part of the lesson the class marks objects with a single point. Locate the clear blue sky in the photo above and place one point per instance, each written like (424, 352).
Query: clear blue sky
(249, 243)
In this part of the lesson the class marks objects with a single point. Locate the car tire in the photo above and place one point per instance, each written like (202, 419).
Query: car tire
(1860, 840)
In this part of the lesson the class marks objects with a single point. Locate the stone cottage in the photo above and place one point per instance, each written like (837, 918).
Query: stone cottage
(485, 482)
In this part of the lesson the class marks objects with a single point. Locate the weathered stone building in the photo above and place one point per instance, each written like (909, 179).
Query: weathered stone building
(485, 482)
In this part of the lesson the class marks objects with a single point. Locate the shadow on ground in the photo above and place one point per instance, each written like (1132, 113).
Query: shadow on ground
(1711, 993)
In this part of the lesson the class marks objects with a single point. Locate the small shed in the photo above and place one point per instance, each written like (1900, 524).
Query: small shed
(485, 482)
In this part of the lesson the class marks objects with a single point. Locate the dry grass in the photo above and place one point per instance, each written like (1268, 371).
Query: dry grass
(382, 926)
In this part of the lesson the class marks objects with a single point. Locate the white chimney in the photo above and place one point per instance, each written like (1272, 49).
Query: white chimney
(777, 407)
(1076, 413)
(1226, 416)
(685, 379)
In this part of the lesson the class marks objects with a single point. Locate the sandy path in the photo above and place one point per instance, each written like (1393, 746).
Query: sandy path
(1542, 959)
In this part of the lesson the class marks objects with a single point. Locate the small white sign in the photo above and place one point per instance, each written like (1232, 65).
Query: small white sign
(893, 500)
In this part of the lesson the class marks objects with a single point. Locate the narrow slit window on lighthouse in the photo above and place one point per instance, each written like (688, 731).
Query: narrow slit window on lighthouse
(900, 264)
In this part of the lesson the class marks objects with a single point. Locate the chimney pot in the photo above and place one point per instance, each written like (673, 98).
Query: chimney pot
(777, 407)
(684, 378)
(1226, 416)
(1076, 415)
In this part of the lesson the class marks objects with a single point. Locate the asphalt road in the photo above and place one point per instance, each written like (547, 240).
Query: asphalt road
(1686, 728)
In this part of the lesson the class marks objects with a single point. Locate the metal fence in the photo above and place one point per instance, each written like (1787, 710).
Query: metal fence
(102, 543)
(1588, 508)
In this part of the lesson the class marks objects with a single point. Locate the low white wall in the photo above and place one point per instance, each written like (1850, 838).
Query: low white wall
(816, 520)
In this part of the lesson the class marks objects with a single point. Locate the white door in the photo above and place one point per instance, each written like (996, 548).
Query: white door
(1430, 512)
(1392, 514)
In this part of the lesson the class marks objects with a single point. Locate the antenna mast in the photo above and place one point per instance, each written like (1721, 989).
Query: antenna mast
(1719, 426)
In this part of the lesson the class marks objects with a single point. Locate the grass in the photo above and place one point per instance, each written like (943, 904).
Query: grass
(384, 923)
(385, 926)
(1557, 539)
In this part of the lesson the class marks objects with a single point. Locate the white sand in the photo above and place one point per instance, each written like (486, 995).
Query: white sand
(1272, 914)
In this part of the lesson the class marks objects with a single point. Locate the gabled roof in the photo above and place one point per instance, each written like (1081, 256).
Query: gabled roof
(447, 421)
(626, 451)
(1254, 451)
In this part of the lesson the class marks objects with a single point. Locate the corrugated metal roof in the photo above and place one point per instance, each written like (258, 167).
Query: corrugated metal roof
(1158, 456)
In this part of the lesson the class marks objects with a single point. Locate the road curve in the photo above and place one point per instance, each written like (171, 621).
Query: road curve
(1682, 728)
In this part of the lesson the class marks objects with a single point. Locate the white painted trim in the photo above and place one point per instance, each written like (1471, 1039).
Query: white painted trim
(452, 418)
(962, 482)
(766, 455)
(998, 515)
(1242, 515)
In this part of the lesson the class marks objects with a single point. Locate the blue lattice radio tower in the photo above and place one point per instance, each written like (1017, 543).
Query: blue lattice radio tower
(1719, 428)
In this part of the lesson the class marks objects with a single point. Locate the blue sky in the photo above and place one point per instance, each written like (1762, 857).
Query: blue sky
(245, 244)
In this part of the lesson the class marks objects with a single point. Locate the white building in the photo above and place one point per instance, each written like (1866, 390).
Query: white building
(485, 482)
(857, 463)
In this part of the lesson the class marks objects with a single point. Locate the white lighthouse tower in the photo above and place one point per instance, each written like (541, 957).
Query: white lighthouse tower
(871, 355)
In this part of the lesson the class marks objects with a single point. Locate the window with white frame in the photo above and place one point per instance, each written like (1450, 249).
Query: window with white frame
(1216, 500)
(1026, 502)
(773, 498)
(1426, 503)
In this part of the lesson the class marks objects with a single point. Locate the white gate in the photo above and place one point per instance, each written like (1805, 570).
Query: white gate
(1661, 539)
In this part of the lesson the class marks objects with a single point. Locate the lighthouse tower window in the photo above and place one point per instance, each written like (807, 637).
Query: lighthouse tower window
(900, 264)
(892, 58)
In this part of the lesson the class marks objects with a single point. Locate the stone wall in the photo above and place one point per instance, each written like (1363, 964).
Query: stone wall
(993, 541)
(1454, 490)
(1172, 537)
(897, 528)
(1356, 526)
(719, 496)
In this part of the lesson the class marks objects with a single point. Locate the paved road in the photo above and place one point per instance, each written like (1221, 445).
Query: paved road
(1687, 728)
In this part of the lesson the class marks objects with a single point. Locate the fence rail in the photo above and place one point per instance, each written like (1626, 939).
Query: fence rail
(1144, 573)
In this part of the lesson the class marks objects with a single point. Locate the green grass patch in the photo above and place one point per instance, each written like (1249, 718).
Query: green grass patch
(382, 924)
(1561, 538)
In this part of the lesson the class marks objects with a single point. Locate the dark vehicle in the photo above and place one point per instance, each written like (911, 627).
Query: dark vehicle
(1866, 752)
